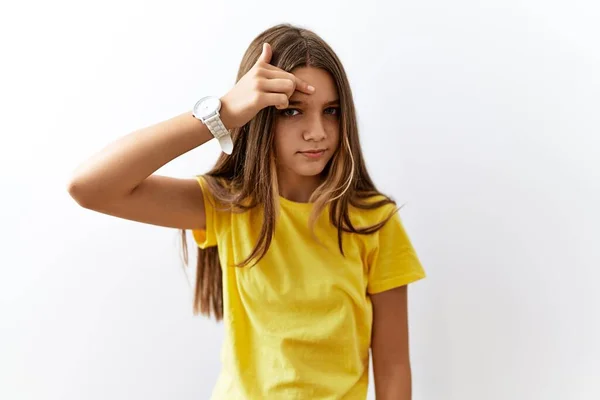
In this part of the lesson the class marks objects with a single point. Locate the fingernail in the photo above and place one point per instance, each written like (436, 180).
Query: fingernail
(312, 89)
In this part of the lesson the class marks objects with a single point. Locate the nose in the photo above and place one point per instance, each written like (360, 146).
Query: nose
(315, 131)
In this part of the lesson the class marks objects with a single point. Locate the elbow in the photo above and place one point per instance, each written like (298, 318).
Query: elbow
(79, 193)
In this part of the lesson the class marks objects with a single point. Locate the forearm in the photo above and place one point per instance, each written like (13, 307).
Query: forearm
(123, 164)
(395, 384)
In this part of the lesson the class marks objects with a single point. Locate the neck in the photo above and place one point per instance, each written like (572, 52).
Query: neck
(296, 187)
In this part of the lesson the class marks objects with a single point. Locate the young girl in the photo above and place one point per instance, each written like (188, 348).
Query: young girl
(304, 260)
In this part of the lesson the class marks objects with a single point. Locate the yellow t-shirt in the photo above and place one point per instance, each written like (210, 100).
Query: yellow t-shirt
(298, 323)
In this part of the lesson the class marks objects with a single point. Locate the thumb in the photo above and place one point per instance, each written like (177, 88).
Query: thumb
(266, 53)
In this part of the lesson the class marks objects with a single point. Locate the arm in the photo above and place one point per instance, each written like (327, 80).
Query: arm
(120, 181)
(390, 345)
(121, 166)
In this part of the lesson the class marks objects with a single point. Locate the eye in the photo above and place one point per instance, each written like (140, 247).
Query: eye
(285, 112)
(288, 112)
(336, 109)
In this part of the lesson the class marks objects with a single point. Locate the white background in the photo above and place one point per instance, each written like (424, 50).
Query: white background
(483, 117)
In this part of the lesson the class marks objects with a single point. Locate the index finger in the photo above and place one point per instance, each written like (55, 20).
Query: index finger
(301, 85)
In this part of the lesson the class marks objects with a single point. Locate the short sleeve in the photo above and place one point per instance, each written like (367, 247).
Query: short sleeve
(207, 237)
(394, 261)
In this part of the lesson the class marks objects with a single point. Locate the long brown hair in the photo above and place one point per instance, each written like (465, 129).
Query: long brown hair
(247, 178)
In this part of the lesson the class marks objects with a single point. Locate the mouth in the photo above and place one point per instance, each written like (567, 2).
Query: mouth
(313, 153)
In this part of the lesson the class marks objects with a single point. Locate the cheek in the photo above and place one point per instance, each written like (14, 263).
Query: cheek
(335, 138)
(283, 145)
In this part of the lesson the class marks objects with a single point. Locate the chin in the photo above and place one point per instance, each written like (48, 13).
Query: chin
(313, 169)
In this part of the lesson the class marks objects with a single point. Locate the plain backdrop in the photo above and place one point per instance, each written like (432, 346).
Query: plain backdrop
(482, 117)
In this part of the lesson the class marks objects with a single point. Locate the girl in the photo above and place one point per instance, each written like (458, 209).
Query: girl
(302, 257)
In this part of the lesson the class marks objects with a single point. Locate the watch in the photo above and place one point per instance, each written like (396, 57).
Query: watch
(207, 110)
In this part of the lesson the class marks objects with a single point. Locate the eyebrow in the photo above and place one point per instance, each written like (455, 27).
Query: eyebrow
(300, 102)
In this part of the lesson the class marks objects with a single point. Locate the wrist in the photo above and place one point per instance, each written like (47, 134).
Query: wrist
(225, 115)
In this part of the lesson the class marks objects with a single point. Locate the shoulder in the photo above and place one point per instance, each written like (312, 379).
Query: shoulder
(215, 184)
(372, 209)
(224, 194)
(216, 191)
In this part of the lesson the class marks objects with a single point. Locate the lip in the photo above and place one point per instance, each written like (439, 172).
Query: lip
(313, 153)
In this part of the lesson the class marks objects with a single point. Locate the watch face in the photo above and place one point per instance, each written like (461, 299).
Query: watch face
(206, 106)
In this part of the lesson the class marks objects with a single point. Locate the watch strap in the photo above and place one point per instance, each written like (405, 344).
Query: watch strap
(220, 132)
(216, 126)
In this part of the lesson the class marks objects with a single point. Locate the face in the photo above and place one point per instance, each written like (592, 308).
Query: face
(309, 124)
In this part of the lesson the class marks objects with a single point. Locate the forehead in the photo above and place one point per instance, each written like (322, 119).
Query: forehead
(323, 82)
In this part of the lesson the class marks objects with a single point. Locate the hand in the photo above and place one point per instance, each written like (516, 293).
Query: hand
(263, 85)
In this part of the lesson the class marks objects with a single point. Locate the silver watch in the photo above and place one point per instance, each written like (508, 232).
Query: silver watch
(207, 110)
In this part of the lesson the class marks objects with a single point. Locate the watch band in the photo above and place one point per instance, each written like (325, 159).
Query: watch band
(213, 121)
(216, 127)
(220, 132)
